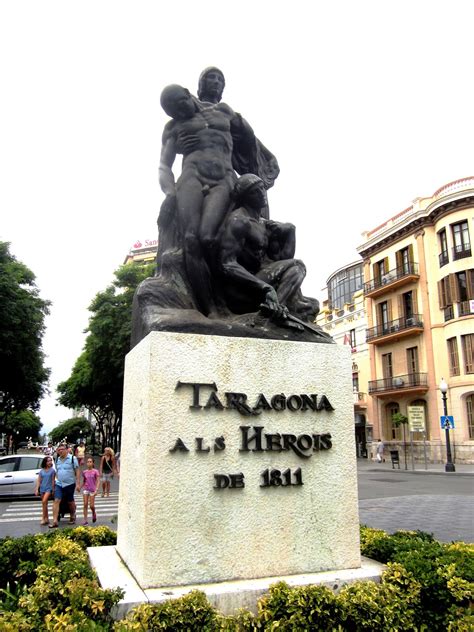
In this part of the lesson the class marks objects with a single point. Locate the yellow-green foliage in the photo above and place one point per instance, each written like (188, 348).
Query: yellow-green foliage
(191, 612)
(427, 587)
(63, 593)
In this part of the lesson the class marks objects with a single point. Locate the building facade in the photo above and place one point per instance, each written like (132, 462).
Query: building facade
(419, 302)
(142, 252)
(343, 317)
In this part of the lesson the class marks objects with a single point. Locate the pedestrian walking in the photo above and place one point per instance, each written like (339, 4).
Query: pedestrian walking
(45, 484)
(107, 469)
(90, 487)
(380, 449)
(80, 453)
(67, 480)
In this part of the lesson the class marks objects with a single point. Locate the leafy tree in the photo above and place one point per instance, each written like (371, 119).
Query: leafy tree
(23, 425)
(74, 429)
(96, 381)
(23, 376)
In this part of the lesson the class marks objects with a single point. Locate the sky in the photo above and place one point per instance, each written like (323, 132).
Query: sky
(367, 105)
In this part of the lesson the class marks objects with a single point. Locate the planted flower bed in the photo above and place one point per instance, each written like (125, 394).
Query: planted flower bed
(47, 584)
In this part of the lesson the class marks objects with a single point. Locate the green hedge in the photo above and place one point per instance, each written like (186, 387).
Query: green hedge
(47, 584)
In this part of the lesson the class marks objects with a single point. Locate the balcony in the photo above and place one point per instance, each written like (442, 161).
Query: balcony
(443, 258)
(448, 313)
(392, 279)
(399, 328)
(461, 251)
(465, 308)
(410, 383)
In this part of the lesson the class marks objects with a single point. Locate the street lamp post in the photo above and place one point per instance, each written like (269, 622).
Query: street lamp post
(449, 467)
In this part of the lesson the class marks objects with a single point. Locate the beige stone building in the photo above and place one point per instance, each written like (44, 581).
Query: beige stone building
(343, 317)
(419, 302)
(407, 311)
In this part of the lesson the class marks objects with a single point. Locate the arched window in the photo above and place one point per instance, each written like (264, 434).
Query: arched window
(418, 436)
(390, 431)
(470, 415)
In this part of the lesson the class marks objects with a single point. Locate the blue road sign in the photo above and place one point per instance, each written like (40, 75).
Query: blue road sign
(447, 422)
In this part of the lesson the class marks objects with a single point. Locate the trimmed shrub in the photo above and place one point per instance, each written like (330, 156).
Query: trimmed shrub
(191, 612)
(304, 607)
(54, 587)
(48, 585)
(445, 572)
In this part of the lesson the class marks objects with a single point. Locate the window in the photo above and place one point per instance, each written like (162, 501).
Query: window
(343, 285)
(30, 463)
(470, 415)
(412, 360)
(408, 304)
(468, 352)
(383, 316)
(355, 382)
(443, 248)
(387, 367)
(352, 335)
(380, 271)
(404, 259)
(461, 278)
(462, 244)
(8, 465)
(391, 431)
(453, 356)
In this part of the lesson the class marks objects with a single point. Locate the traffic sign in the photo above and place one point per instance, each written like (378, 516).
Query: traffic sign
(447, 422)
(416, 418)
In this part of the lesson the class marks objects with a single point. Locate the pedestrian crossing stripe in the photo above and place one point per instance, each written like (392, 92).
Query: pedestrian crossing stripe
(13, 512)
(34, 506)
(35, 518)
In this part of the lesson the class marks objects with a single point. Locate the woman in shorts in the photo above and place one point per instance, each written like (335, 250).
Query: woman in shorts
(107, 469)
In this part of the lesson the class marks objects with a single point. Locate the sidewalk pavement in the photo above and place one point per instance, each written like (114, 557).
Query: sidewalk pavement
(462, 469)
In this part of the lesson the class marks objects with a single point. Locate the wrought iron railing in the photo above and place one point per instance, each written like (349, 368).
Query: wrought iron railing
(399, 382)
(407, 269)
(448, 313)
(464, 308)
(461, 251)
(443, 258)
(394, 326)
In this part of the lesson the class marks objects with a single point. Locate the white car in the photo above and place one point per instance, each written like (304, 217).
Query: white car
(18, 474)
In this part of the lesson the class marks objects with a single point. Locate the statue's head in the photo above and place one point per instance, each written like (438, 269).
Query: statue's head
(177, 102)
(249, 189)
(211, 85)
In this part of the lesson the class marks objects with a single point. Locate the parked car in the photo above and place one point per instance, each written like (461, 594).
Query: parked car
(18, 474)
(3, 450)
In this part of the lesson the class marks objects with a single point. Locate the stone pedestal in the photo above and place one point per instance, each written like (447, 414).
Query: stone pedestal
(201, 499)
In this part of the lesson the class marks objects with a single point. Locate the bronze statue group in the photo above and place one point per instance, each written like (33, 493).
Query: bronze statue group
(221, 259)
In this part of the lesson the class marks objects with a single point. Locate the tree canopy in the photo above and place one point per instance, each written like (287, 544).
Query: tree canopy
(74, 429)
(96, 380)
(23, 376)
(23, 425)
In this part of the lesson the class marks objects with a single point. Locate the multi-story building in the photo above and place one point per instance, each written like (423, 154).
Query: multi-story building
(419, 301)
(343, 316)
(142, 252)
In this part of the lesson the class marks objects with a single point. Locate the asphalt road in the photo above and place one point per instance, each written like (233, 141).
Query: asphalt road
(439, 503)
(431, 501)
